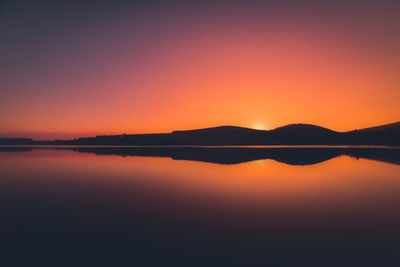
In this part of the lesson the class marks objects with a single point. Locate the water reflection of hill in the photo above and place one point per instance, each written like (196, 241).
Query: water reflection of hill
(235, 155)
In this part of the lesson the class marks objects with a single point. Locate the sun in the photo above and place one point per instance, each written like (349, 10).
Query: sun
(259, 126)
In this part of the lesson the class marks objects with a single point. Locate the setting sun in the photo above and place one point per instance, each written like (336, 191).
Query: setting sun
(259, 126)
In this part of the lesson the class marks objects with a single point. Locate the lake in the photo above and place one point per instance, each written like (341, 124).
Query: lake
(200, 206)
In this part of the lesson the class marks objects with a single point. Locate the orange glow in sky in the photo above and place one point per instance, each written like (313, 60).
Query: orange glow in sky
(165, 73)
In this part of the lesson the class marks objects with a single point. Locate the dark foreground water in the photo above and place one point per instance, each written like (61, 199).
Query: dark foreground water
(212, 207)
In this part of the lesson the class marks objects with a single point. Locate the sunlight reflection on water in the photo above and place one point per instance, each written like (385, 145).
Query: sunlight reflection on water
(244, 211)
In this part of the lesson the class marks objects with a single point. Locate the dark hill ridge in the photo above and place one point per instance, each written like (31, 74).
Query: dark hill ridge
(380, 135)
(303, 129)
(16, 141)
(226, 135)
(387, 127)
(304, 134)
(293, 134)
(220, 130)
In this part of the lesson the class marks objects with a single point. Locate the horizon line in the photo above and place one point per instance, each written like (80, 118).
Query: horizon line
(25, 135)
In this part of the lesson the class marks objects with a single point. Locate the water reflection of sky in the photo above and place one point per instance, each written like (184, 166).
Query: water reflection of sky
(257, 200)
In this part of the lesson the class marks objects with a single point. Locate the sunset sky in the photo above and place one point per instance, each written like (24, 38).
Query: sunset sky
(95, 67)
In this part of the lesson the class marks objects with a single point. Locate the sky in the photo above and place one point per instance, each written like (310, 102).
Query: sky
(70, 69)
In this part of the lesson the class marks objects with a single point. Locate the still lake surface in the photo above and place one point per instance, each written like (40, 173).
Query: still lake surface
(200, 206)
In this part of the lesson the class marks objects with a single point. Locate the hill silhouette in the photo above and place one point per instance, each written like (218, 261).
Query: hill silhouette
(293, 134)
(16, 141)
(387, 127)
(383, 134)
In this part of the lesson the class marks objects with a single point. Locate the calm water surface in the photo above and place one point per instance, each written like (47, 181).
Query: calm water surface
(81, 207)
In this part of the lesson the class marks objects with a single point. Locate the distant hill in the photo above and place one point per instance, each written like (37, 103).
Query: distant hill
(303, 134)
(222, 130)
(16, 141)
(387, 127)
(293, 134)
(228, 135)
(302, 129)
(379, 135)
